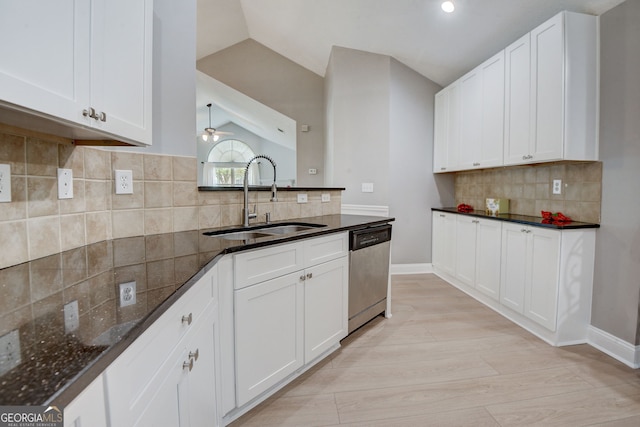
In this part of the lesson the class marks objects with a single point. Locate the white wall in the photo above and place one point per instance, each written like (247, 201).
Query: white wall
(380, 130)
(359, 123)
(413, 186)
(617, 268)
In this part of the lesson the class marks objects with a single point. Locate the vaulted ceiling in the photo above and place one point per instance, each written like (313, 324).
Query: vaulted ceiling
(418, 33)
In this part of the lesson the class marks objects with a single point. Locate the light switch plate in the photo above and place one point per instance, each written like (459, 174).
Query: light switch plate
(10, 355)
(65, 183)
(325, 197)
(5, 183)
(367, 187)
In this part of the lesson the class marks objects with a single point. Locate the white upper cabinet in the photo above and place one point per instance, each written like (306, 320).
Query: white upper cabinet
(482, 115)
(81, 63)
(446, 129)
(551, 88)
(533, 102)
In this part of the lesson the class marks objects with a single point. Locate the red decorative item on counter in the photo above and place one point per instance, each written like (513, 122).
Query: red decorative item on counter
(465, 208)
(557, 218)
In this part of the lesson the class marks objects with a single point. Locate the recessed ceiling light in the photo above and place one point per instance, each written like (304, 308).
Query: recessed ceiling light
(448, 6)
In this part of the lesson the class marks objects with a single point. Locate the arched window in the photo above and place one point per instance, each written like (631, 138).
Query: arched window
(226, 163)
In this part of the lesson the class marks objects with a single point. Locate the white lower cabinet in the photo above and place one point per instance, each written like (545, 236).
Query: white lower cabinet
(444, 242)
(269, 334)
(88, 408)
(541, 278)
(159, 381)
(287, 322)
(478, 243)
(530, 272)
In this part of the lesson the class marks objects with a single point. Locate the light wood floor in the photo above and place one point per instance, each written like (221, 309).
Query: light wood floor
(444, 359)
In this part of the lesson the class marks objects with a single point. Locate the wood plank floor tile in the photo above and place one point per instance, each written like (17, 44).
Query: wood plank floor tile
(577, 408)
(443, 359)
(359, 406)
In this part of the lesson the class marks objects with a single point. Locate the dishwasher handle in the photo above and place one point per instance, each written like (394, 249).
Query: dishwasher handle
(363, 238)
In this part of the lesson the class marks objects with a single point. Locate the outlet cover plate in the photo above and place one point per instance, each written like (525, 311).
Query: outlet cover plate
(124, 181)
(302, 198)
(5, 183)
(325, 197)
(127, 294)
(557, 186)
(9, 351)
(65, 184)
(71, 317)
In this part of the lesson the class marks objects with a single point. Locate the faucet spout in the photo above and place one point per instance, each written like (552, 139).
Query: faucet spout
(274, 189)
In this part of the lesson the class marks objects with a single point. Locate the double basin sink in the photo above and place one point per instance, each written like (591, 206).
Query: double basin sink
(264, 230)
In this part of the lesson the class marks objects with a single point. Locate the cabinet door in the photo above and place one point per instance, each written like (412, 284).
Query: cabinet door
(162, 404)
(465, 248)
(492, 109)
(514, 266)
(45, 56)
(517, 127)
(447, 128)
(541, 300)
(88, 408)
(269, 331)
(488, 255)
(547, 71)
(202, 390)
(121, 67)
(326, 314)
(470, 119)
(444, 242)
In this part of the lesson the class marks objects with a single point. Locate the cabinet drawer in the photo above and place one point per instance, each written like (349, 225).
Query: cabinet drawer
(129, 376)
(326, 248)
(264, 264)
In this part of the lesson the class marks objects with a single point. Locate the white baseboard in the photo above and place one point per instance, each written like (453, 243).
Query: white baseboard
(615, 347)
(411, 268)
(365, 210)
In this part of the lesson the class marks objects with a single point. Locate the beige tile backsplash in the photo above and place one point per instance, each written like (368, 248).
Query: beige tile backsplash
(36, 224)
(529, 189)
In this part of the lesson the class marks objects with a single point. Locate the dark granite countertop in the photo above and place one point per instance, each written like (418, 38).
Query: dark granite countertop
(265, 188)
(51, 365)
(535, 221)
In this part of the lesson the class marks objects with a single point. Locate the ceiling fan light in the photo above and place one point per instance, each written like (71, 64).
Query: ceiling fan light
(448, 6)
(205, 137)
(216, 137)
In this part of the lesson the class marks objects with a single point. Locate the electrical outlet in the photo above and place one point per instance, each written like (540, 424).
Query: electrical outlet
(124, 181)
(557, 186)
(5, 183)
(325, 197)
(71, 317)
(127, 294)
(367, 187)
(313, 171)
(9, 351)
(65, 183)
(302, 198)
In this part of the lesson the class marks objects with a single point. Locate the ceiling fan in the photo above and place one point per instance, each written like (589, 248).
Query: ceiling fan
(211, 132)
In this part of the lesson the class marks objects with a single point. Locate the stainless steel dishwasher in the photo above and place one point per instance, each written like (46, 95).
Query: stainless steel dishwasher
(368, 273)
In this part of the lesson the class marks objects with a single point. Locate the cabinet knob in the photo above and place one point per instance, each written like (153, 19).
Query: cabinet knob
(187, 319)
(476, 164)
(309, 275)
(90, 112)
(194, 356)
(303, 278)
(443, 169)
(188, 365)
(102, 116)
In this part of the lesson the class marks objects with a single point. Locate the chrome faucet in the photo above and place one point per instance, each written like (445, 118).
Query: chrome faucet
(274, 190)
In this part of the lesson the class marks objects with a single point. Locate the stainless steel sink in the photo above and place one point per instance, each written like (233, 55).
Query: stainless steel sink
(288, 229)
(263, 230)
(243, 235)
